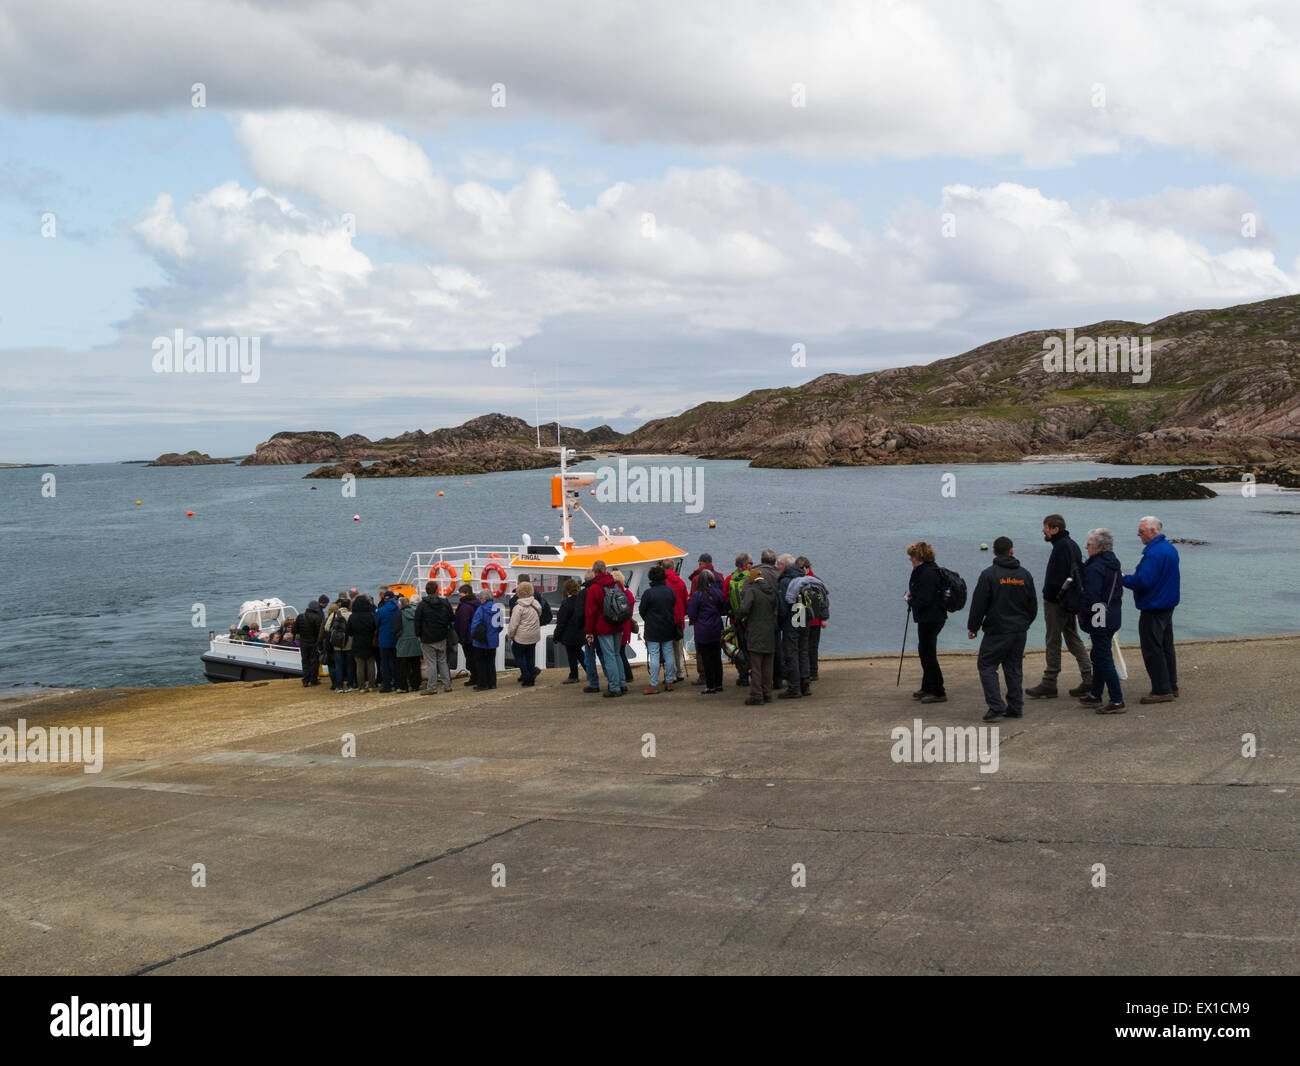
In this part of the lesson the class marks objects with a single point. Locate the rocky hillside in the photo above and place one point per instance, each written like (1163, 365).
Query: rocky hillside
(490, 442)
(1222, 389)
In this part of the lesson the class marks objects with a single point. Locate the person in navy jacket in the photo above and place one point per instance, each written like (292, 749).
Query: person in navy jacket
(1101, 602)
(1156, 593)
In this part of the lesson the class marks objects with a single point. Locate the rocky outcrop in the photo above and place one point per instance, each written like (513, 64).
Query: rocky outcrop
(187, 459)
(489, 442)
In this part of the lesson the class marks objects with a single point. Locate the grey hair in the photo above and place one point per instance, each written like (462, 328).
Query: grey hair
(785, 560)
(598, 567)
(484, 595)
(768, 557)
(1103, 538)
(1152, 521)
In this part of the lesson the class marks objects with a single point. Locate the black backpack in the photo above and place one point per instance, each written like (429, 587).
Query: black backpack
(616, 607)
(953, 590)
(813, 595)
(338, 631)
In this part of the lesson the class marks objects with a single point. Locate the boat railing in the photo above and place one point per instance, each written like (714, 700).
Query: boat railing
(420, 564)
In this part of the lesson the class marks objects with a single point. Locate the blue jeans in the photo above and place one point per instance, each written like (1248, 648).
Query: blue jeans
(589, 664)
(344, 672)
(611, 658)
(525, 659)
(1104, 672)
(388, 668)
(661, 649)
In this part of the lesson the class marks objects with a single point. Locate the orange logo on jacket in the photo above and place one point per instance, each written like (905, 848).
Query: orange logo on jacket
(1011, 581)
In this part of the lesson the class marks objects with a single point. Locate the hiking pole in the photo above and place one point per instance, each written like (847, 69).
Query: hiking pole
(906, 618)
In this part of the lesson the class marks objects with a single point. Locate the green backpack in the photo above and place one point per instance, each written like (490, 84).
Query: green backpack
(736, 589)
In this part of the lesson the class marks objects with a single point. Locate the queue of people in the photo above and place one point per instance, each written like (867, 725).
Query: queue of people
(766, 620)
(1083, 592)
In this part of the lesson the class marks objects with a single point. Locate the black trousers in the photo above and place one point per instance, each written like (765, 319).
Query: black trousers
(710, 664)
(471, 662)
(927, 646)
(310, 664)
(1156, 632)
(798, 674)
(487, 667)
(1006, 650)
(574, 653)
(814, 643)
(408, 672)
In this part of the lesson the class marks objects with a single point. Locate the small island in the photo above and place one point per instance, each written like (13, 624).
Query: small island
(190, 458)
(1184, 484)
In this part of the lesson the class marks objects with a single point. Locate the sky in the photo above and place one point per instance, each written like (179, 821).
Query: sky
(418, 213)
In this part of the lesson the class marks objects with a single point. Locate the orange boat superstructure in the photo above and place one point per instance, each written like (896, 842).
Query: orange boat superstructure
(499, 567)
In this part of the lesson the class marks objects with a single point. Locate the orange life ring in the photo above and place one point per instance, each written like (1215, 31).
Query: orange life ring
(451, 579)
(501, 570)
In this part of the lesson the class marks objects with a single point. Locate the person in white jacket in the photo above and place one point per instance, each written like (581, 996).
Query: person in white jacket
(525, 632)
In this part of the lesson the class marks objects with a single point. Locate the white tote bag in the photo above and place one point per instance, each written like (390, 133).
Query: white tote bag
(1118, 654)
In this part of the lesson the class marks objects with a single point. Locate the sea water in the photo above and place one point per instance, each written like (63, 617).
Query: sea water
(97, 592)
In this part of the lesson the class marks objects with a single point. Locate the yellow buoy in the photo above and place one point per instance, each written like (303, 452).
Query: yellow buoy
(713, 524)
(984, 547)
(137, 503)
(466, 577)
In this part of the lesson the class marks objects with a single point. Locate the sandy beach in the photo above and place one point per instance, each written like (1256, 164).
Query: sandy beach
(611, 862)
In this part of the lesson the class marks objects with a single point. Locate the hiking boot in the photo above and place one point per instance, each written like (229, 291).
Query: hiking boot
(1008, 713)
(1090, 700)
(570, 680)
(991, 715)
(653, 690)
(790, 694)
(1175, 694)
(1042, 691)
(1111, 708)
(930, 697)
(1162, 697)
(591, 690)
(751, 702)
(668, 686)
(920, 693)
(612, 693)
(1083, 688)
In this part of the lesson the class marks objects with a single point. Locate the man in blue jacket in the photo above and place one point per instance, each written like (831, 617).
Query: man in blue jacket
(1155, 591)
(386, 622)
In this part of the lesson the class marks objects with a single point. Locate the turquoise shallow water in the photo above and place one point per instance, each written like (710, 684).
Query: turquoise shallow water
(98, 592)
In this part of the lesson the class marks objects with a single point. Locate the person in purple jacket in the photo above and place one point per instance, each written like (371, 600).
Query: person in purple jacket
(704, 609)
(464, 623)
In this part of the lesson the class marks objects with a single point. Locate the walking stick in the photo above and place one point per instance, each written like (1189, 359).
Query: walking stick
(902, 651)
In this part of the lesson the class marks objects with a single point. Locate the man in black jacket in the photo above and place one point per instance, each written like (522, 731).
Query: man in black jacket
(1005, 605)
(1060, 603)
(434, 620)
(309, 626)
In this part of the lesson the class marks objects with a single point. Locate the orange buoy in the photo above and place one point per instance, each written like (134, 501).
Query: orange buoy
(442, 494)
(189, 514)
(467, 483)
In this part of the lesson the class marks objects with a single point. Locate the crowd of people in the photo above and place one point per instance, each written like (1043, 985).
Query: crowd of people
(1079, 594)
(765, 619)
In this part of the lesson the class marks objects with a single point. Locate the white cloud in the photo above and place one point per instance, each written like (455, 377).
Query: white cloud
(882, 78)
(695, 252)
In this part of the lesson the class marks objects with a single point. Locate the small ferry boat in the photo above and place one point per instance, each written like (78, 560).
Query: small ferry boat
(495, 567)
(233, 657)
